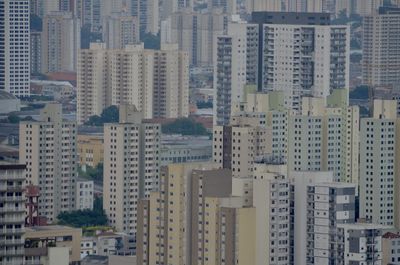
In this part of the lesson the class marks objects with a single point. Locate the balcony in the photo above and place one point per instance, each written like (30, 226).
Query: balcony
(12, 252)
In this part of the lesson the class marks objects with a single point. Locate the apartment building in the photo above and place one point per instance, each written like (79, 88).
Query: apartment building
(391, 247)
(90, 150)
(195, 33)
(271, 199)
(330, 131)
(12, 213)
(15, 47)
(380, 65)
(119, 30)
(361, 243)
(36, 52)
(61, 38)
(227, 6)
(148, 13)
(319, 206)
(48, 149)
(84, 195)
(155, 81)
(378, 168)
(300, 54)
(131, 167)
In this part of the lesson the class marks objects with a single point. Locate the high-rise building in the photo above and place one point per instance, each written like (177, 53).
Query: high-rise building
(378, 166)
(168, 7)
(131, 167)
(235, 65)
(319, 206)
(195, 33)
(227, 6)
(60, 42)
(314, 64)
(48, 149)
(147, 11)
(367, 7)
(325, 137)
(89, 13)
(381, 52)
(84, 194)
(36, 52)
(119, 30)
(155, 81)
(12, 213)
(14, 47)
(264, 5)
(193, 219)
(271, 199)
(368, 239)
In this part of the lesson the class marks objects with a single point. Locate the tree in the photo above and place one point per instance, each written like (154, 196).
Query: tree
(95, 174)
(13, 118)
(184, 126)
(109, 115)
(360, 92)
(85, 218)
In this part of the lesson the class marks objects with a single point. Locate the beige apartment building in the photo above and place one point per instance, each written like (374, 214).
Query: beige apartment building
(90, 149)
(131, 167)
(194, 219)
(156, 82)
(48, 149)
(120, 29)
(60, 42)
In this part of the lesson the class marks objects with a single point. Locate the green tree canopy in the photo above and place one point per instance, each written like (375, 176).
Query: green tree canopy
(109, 115)
(184, 126)
(85, 218)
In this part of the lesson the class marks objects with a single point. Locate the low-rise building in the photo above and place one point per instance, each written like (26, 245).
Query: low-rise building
(391, 248)
(107, 244)
(90, 149)
(47, 244)
(8, 103)
(181, 149)
(84, 195)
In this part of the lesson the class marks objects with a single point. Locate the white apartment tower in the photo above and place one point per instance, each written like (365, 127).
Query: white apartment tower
(131, 167)
(378, 164)
(48, 149)
(300, 54)
(235, 65)
(60, 42)
(14, 47)
(147, 11)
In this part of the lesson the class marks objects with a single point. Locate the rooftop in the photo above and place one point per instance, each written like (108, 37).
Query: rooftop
(5, 95)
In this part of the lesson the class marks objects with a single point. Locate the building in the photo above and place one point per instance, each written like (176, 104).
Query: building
(361, 243)
(48, 149)
(89, 13)
(367, 7)
(227, 6)
(60, 91)
(148, 13)
(12, 213)
(119, 30)
(182, 149)
(193, 217)
(155, 81)
(378, 169)
(52, 245)
(195, 33)
(319, 206)
(330, 131)
(36, 52)
(232, 73)
(381, 59)
(90, 150)
(271, 199)
(84, 195)
(108, 243)
(9, 103)
(391, 248)
(131, 167)
(60, 42)
(167, 8)
(15, 47)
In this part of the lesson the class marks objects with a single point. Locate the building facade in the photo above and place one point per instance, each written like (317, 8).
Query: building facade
(131, 167)
(60, 42)
(84, 195)
(15, 47)
(12, 216)
(48, 149)
(119, 30)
